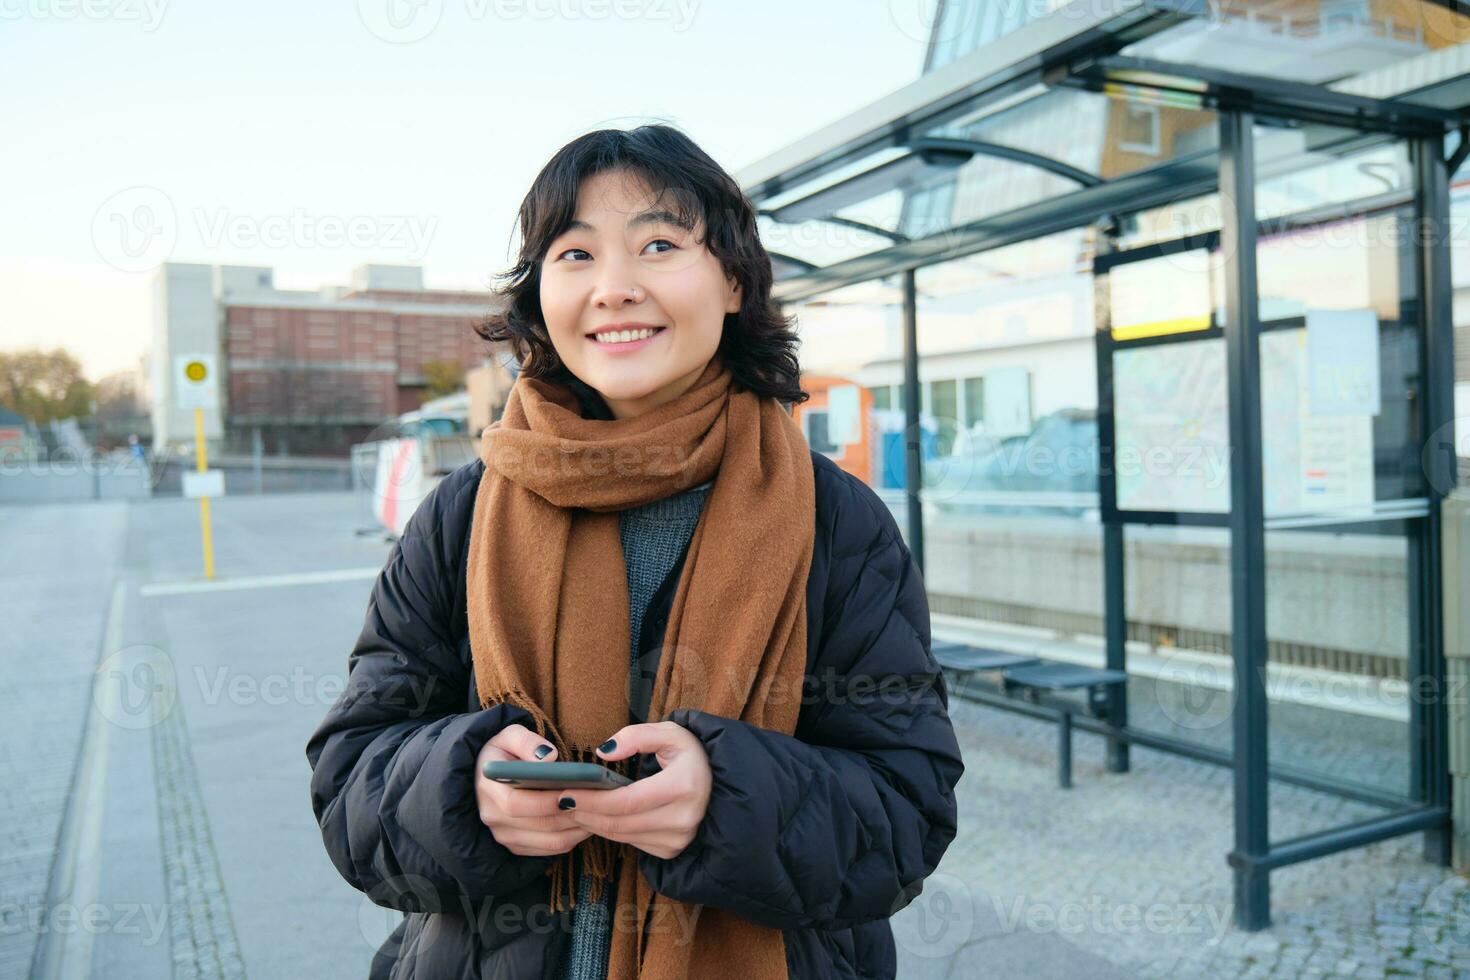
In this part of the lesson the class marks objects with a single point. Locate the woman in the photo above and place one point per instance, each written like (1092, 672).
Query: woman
(648, 508)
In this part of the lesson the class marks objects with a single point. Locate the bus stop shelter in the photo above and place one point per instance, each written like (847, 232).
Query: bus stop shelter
(1128, 118)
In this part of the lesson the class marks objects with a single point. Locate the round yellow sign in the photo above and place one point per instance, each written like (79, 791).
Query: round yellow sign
(195, 371)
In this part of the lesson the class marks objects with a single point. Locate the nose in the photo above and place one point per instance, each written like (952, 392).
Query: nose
(613, 296)
(616, 287)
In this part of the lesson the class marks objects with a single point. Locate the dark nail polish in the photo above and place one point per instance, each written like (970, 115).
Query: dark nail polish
(566, 803)
(543, 751)
(609, 746)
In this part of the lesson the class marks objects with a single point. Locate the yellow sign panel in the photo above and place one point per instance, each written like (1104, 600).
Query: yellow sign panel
(196, 371)
(1158, 328)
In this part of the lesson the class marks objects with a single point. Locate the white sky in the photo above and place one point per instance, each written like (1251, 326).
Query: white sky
(246, 121)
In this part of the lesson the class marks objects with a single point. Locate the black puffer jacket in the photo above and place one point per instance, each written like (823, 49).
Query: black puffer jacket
(823, 835)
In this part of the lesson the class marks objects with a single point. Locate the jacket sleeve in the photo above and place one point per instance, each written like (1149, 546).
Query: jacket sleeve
(840, 823)
(392, 783)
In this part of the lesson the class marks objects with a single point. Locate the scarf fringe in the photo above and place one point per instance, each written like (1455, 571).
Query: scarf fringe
(599, 855)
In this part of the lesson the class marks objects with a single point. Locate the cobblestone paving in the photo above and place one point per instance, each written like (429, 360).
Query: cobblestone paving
(200, 928)
(1131, 868)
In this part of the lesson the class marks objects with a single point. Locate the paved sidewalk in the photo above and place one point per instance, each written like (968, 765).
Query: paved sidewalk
(1129, 869)
(57, 582)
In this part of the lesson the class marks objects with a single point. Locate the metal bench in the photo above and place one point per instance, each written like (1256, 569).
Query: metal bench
(963, 658)
(1038, 682)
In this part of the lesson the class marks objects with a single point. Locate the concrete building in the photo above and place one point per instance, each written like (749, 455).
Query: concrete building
(311, 371)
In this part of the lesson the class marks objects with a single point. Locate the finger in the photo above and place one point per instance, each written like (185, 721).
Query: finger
(669, 821)
(499, 820)
(494, 753)
(522, 743)
(532, 843)
(648, 793)
(520, 802)
(645, 739)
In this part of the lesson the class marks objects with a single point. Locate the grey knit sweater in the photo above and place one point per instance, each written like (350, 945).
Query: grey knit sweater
(654, 536)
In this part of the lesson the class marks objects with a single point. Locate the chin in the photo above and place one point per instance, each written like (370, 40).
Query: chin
(626, 391)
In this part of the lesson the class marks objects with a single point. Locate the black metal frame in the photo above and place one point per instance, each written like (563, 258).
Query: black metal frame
(1429, 726)
(1254, 856)
(1247, 523)
(1263, 95)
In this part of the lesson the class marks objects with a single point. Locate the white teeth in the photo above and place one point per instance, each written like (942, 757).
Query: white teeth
(623, 336)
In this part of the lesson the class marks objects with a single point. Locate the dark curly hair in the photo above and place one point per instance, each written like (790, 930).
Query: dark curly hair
(758, 343)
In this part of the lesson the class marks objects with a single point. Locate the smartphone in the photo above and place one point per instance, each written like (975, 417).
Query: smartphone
(554, 775)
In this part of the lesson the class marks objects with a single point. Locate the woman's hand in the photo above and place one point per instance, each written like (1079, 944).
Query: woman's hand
(659, 814)
(526, 821)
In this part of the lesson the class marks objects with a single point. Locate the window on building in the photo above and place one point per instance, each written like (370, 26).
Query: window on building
(1139, 129)
(974, 401)
(944, 400)
(816, 432)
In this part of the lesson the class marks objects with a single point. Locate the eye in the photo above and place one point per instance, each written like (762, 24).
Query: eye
(570, 250)
(671, 245)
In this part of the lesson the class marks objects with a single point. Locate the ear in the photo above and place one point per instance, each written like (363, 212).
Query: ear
(732, 301)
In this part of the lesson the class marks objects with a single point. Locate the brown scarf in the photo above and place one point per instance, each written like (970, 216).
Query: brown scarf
(548, 611)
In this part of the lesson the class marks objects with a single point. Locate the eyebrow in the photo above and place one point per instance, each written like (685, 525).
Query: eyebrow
(656, 217)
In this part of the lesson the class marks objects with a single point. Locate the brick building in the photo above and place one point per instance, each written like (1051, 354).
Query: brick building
(311, 371)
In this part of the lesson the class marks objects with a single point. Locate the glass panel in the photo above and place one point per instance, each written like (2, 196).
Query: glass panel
(960, 28)
(1340, 379)
(1175, 220)
(1104, 136)
(928, 203)
(1315, 41)
(1337, 631)
(1340, 396)
(1043, 148)
(1178, 611)
(852, 363)
(1306, 170)
(1015, 325)
(1011, 534)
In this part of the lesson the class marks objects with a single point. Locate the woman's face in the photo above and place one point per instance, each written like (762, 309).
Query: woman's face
(625, 262)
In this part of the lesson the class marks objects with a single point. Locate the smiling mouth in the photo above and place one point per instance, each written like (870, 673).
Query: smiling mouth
(620, 337)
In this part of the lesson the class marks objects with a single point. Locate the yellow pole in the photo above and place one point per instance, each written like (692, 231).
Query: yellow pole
(203, 464)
